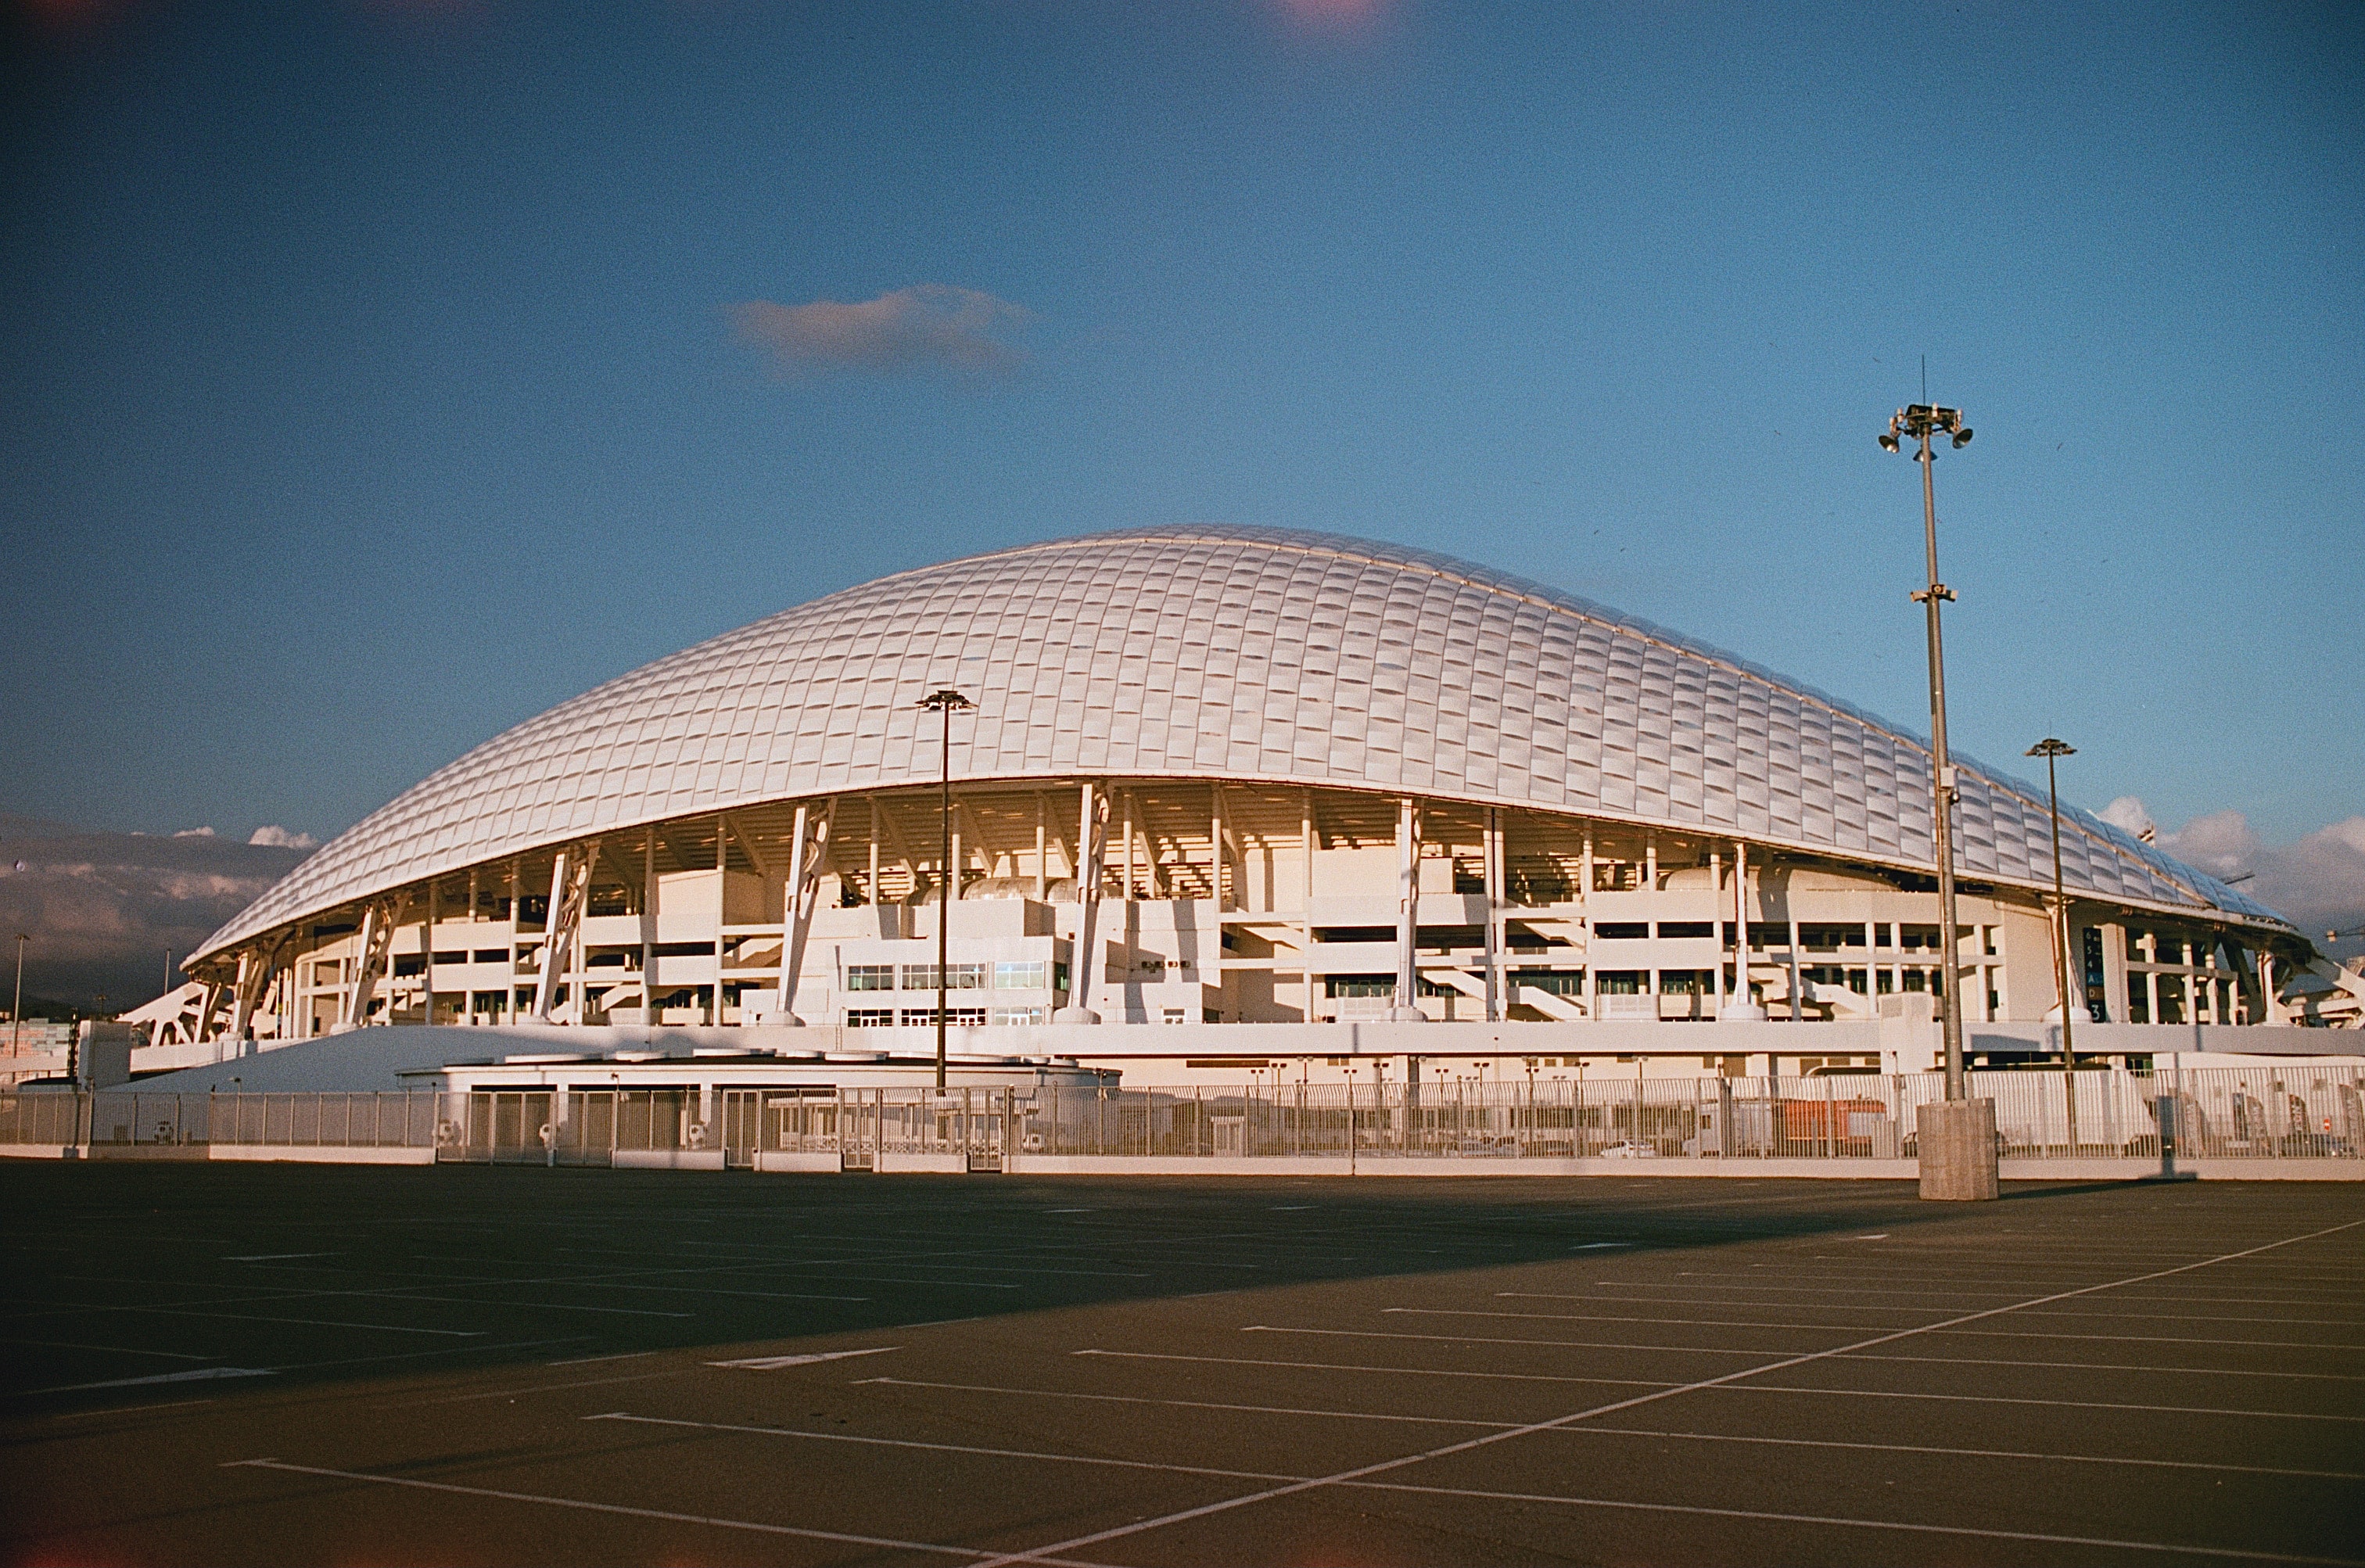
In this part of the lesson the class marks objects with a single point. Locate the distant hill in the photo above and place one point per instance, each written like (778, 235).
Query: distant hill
(102, 908)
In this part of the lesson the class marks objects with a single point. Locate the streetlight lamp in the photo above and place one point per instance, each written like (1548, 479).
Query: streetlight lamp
(2052, 751)
(1919, 422)
(944, 701)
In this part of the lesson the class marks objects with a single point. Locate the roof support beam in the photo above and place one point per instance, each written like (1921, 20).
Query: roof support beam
(809, 847)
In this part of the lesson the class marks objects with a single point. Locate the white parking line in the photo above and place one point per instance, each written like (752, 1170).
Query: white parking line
(109, 1349)
(1607, 1318)
(2012, 1399)
(1899, 1311)
(776, 1364)
(1767, 1516)
(1364, 1472)
(1390, 1371)
(2115, 1366)
(751, 1524)
(195, 1374)
(1961, 1453)
(1176, 1403)
(1477, 1339)
(942, 1448)
(1762, 1323)
(307, 1322)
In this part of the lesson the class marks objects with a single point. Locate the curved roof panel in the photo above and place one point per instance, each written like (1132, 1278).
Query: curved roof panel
(1234, 653)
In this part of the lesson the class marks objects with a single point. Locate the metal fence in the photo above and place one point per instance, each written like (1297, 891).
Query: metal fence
(2300, 1112)
(124, 1119)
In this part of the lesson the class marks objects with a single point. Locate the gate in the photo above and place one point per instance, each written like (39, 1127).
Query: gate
(858, 1119)
(742, 1127)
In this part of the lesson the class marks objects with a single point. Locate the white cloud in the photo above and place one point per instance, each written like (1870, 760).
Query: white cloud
(194, 832)
(2318, 880)
(926, 327)
(2127, 813)
(278, 837)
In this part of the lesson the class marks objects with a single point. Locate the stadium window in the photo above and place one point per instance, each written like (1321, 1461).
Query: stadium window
(870, 1017)
(1671, 930)
(1017, 1015)
(1622, 982)
(871, 977)
(958, 977)
(954, 1017)
(1359, 985)
(1560, 982)
(1622, 930)
(1684, 982)
(485, 956)
(1019, 975)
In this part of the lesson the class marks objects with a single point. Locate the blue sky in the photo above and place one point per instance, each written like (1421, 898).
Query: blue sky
(375, 375)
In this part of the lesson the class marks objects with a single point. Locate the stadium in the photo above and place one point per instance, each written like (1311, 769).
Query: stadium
(1221, 777)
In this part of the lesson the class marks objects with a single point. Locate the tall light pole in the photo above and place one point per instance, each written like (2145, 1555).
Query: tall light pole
(944, 701)
(1918, 423)
(17, 1012)
(2052, 751)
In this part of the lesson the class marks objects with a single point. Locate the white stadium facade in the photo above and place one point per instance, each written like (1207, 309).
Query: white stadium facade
(1308, 797)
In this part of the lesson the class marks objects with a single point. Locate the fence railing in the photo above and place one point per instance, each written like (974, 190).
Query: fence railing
(123, 1119)
(2298, 1112)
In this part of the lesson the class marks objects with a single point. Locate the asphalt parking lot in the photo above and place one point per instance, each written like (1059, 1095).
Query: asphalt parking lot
(226, 1364)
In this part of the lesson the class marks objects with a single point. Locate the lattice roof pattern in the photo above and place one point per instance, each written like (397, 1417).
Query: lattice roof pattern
(1241, 654)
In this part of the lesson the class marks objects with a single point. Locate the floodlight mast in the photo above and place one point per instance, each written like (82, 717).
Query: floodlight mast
(944, 701)
(1920, 421)
(2053, 750)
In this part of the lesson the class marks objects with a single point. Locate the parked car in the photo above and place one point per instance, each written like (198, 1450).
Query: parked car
(1629, 1150)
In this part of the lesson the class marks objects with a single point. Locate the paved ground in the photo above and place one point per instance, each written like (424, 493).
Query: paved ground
(217, 1364)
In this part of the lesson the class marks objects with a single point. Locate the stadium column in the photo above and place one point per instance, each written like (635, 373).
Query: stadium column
(721, 876)
(1407, 999)
(242, 992)
(1305, 900)
(649, 928)
(799, 894)
(1741, 1007)
(1716, 891)
(427, 951)
(1091, 845)
(1491, 855)
(1042, 848)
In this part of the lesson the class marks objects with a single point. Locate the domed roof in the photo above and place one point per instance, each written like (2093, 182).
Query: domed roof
(1241, 654)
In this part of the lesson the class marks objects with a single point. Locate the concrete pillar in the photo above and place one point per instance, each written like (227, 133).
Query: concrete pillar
(1739, 1008)
(1955, 1143)
(1305, 900)
(1407, 999)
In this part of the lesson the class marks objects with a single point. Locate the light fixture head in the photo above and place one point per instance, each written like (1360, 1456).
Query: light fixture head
(1962, 438)
(2048, 746)
(1889, 440)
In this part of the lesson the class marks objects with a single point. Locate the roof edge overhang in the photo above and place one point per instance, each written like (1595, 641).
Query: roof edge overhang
(235, 933)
